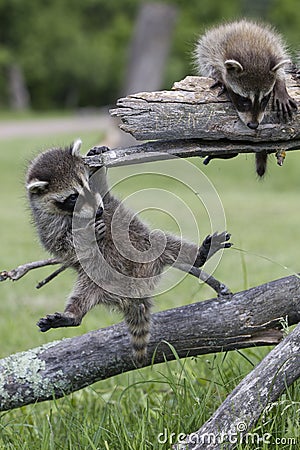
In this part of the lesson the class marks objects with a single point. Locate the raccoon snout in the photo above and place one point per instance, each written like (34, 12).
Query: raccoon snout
(252, 125)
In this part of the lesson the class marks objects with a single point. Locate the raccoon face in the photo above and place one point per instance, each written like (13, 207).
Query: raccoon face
(250, 109)
(58, 183)
(250, 90)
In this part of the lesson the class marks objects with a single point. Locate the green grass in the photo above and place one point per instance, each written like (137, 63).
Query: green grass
(131, 410)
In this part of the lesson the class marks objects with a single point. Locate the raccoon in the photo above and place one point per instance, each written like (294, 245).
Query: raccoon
(247, 61)
(117, 258)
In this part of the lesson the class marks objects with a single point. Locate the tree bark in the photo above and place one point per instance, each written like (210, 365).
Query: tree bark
(192, 110)
(250, 318)
(183, 148)
(232, 422)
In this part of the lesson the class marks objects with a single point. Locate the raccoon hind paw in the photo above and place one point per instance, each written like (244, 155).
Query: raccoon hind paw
(56, 320)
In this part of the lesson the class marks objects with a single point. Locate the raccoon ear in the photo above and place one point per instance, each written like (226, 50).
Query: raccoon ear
(75, 147)
(233, 65)
(280, 64)
(37, 186)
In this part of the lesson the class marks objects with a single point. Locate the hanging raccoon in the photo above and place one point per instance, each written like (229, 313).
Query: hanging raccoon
(247, 61)
(117, 258)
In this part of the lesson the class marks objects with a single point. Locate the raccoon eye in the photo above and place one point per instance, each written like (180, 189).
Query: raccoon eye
(244, 103)
(69, 203)
(72, 198)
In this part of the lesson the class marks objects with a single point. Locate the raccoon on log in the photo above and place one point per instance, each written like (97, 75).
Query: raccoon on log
(247, 60)
(118, 259)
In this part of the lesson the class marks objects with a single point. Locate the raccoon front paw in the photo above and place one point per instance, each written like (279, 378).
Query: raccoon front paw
(282, 103)
(210, 245)
(56, 320)
(97, 150)
(284, 108)
(100, 229)
(219, 84)
(296, 74)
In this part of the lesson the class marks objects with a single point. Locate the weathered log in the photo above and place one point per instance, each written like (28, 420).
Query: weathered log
(250, 318)
(183, 148)
(192, 110)
(192, 120)
(232, 422)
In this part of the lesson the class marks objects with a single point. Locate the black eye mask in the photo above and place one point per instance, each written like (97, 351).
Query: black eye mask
(68, 204)
(242, 104)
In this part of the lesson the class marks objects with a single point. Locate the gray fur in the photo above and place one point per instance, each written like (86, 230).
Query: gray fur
(117, 259)
(247, 60)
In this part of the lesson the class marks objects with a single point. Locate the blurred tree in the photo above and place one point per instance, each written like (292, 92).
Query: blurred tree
(73, 53)
(194, 18)
(149, 48)
(256, 8)
(286, 16)
(18, 92)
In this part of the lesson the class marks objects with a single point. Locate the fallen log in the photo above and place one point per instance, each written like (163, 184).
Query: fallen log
(250, 318)
(193, 120)
(192, 110)
(232, 422)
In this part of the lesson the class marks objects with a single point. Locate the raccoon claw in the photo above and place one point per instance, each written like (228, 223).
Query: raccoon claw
(99, 213)
(285, 109)
(100, 229)
(97, 150)
(292, 106)
(282, 102)
(55, 320)
(222, 91)
(217, 241)
(296, 74)
(212, 244)
(219, 84)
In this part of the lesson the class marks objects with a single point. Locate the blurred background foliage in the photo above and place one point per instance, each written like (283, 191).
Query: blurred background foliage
(73, 53)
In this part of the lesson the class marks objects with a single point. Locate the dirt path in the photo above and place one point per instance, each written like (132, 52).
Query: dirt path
(78, 123)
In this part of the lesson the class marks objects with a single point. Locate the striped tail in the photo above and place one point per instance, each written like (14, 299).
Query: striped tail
(137, 318)
(261, 163)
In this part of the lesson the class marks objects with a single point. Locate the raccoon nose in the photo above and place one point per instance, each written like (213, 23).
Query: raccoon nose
(252, 125)
(99, 212)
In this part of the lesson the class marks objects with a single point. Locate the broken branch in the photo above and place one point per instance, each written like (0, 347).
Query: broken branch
(20, 271)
